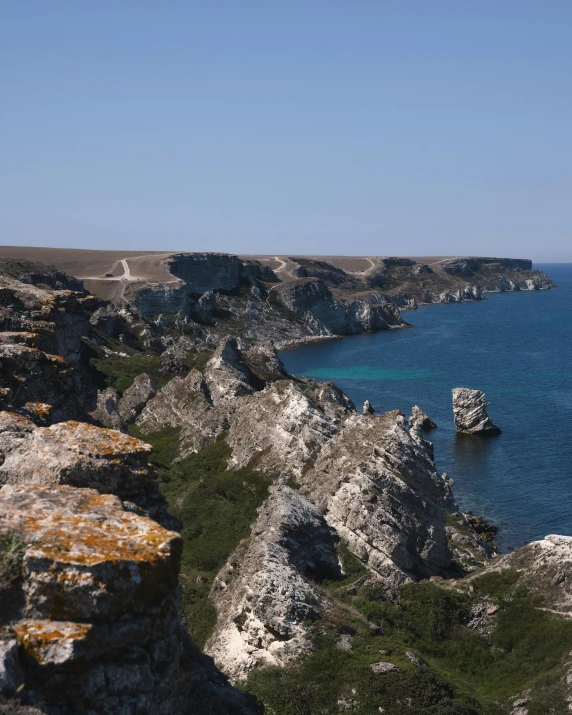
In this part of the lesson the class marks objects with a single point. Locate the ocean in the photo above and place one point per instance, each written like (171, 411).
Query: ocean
(517, 348)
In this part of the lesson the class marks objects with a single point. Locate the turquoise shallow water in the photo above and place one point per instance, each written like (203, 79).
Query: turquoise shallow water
(517, 347)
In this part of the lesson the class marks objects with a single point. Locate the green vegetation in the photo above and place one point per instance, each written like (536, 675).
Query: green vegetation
(120, 372)
(12, 550)
(467, 674)
(216, 506)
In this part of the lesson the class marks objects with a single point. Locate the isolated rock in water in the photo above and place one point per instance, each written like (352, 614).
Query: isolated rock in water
(265, 594)
(470, 411)
(367, 408)
(419, 420)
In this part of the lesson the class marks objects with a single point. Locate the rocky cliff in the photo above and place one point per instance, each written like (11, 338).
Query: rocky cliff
(265, 595)
(357, 537)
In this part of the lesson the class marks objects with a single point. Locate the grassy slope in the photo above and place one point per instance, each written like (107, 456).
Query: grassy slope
(216, 507)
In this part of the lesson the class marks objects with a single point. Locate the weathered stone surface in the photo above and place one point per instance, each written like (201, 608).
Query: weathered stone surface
(80, 455)
(470, 412)
(99, 628)
(87, 557)
(264, 595)
(379, 489)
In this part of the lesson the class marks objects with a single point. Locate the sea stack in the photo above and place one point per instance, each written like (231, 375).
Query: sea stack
(470, 412)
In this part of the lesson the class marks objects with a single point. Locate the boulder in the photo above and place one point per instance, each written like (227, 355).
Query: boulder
(383, 667)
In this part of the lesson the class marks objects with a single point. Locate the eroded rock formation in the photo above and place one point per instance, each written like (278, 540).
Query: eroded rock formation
(264, 595)
(470, 412)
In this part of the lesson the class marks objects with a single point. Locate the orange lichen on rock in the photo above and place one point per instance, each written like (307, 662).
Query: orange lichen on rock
(86, 556)
(74, 453)
(40, 409)
(51, 642)
(87, 439)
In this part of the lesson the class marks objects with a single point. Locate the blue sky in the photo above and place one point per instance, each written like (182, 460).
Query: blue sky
(380, 127)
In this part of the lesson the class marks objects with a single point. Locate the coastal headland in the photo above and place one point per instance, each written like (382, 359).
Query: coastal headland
(187, 528)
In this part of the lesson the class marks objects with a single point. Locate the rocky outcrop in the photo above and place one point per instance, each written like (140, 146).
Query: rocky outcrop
(81, 455)
(227, 374)
(421, 421)
(117, 412)
(106, 412)
(265, 597)
(285, 426)
(378, 487)
(136, 397)
(90, 620)
(545, 568)
(98, 627)
(470, 412)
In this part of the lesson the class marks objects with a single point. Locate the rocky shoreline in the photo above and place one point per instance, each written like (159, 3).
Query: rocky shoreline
(265, 507)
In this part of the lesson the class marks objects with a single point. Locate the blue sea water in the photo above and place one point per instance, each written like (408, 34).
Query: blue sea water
(517, 348)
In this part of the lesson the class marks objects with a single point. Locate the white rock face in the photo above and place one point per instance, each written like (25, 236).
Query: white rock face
(264, 595)
(282, 424)
(378, 487)
(470, 412)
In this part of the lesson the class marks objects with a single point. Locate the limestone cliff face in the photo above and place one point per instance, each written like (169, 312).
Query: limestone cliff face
(264, 595)
(378, 487)
(195, 274)
(313, 301)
